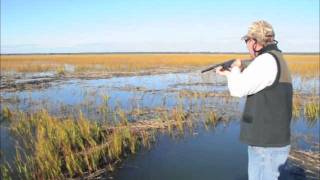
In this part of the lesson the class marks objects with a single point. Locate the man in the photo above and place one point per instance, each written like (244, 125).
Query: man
(265, 123)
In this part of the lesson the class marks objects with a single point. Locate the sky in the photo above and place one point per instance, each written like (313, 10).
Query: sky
(71, 26)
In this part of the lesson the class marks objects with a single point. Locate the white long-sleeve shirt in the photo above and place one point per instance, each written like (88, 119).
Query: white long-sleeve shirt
(258, 75)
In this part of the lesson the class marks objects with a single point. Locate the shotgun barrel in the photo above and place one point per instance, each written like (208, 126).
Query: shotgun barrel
(226, 65)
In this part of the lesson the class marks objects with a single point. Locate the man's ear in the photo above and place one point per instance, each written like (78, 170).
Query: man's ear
(254, 46)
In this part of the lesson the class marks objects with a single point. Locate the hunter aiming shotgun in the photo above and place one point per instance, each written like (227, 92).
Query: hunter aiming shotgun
(226, 65)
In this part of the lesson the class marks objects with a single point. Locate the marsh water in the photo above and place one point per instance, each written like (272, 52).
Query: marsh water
(204, 153)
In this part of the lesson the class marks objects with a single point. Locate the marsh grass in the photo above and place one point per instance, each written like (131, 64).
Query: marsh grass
(50, 147)
(296, 108)
(60, 71)
(307, 107)
(307, 65)
(108, 62)
(304, 65)
(5, 115)
(312, 111)
(211, 120)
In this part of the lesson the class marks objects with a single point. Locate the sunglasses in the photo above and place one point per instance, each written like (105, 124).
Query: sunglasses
(246, 40)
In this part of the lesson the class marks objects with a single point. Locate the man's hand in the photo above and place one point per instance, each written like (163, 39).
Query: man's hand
(222, 72)
(236, 63)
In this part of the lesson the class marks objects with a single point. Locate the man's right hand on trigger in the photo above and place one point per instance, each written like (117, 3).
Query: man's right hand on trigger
(222, 72)
(236, 63)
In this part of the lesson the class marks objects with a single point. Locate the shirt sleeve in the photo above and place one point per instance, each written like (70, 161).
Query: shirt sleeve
(258, 75)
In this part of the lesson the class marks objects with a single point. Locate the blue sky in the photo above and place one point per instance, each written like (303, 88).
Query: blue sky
(47, 26)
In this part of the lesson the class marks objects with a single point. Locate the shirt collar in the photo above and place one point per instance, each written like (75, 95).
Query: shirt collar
(269, 47)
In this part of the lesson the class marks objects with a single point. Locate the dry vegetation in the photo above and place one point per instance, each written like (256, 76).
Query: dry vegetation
(57, 148)
(109, 62)
(302, 64)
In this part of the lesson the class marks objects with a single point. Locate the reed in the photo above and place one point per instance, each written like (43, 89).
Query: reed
(306, 107)
(60, 71)
(50, 147)
(211, 120)
(5, 171)
(5, 115)
(296, 107)
(312, 110)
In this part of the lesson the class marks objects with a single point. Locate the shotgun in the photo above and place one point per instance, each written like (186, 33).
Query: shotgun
(226, 65)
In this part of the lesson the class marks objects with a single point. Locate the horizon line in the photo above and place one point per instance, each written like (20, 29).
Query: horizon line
(150, 52)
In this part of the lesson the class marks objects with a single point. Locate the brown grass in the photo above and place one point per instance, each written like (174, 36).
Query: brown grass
(304, 64)
(301, 64)
(110, 62)
(48, 147)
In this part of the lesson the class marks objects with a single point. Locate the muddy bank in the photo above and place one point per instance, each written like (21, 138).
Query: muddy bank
(27, 81)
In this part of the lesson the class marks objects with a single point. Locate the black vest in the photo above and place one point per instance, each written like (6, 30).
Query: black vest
(267, 114)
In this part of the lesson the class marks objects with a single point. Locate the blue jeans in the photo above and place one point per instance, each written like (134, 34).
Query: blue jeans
(264, 162)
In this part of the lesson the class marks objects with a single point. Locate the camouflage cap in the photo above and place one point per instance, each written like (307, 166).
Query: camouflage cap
(261, 31)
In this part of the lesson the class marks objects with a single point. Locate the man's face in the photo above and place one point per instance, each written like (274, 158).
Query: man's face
(250, 46)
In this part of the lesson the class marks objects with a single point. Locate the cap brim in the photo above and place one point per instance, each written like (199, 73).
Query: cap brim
(245, 37)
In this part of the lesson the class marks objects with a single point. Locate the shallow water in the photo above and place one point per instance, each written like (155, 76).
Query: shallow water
(149, 91)
(213, 154)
